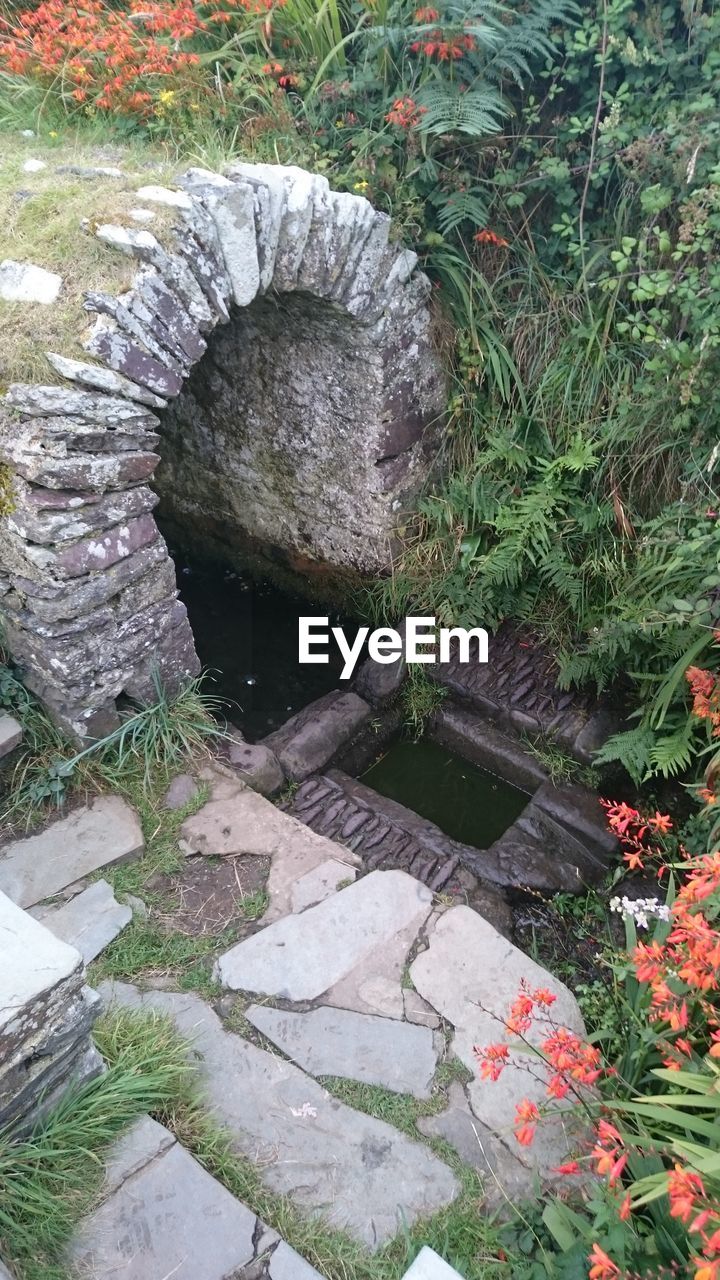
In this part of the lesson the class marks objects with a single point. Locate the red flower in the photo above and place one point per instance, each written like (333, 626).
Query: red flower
(490, 237)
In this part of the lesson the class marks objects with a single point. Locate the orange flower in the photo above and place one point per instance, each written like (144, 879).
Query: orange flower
(603, 1267)
(490, 237)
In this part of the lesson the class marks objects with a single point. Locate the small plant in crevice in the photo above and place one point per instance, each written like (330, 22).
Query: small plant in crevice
(420, 697)
(156, 739)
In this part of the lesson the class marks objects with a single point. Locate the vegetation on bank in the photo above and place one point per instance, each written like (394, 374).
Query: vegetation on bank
(558, 166)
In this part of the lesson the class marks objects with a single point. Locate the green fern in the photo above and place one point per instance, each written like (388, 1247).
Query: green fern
(446, 110)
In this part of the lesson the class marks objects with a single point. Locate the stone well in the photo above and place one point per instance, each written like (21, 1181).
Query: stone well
(276, 354)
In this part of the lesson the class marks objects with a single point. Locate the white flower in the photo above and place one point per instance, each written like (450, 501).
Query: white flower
(641, 910)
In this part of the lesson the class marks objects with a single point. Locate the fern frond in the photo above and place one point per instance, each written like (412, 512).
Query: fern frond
(446, 110)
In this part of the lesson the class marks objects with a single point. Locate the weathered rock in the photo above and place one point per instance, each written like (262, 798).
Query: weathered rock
(126, 357)
(356, 1046)
(46, 1014)
(320, 883)
(26, 282)
(298, 958)
(165, 196)
(182, 790)
(89, 922)
(233, 212)
(506, 1179)
(87, 406)
(152, 299)
(35, 520)
(174, 270)
(472, 736)
(10, 734)
(418, 1010)
(312, 737)
(257, 765)
(162, 1214)
(286, 1264)
(377, 681)
(471, 975)
(99, 378)
(357, 1173)
(104, 832)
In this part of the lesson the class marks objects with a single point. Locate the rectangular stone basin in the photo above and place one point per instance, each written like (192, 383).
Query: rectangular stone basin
(470, 804)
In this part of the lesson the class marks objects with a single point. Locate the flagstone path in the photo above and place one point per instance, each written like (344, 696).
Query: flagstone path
(362, 976)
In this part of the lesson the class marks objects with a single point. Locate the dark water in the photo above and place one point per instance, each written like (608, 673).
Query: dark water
(467, 803)
(246, 630)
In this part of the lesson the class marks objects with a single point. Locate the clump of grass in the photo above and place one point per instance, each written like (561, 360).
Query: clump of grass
(51, 1178)
(420, 697)
(561, 767)
(149, 745)
(146, 948)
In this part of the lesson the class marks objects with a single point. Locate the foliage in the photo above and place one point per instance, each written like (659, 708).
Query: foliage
(420, 696)
(152, 739)
(654, 1105)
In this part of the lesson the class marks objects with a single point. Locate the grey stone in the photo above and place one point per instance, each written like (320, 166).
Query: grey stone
(87, 406)
(356, 1046)
(26, 282)
(506, 1179)
(4, 1273)
(10, 734)
(46, 526)
(430, 1266)
(320, 883)
(257, 765)
(182, 790)
(99, 378)
(377, 681)
(152, 299)
(471, 975)
(165, 196)
(312, 737)
(418, 1010)
(46, 1014)
(286, 1264)
(299, 957)
(579, 809)
(113, 314)
(357, 1173)
(233, 212)
(174, 270)
(163, 1215)
(90, 921)
(104, 832)
(117, 352)
(463, 730)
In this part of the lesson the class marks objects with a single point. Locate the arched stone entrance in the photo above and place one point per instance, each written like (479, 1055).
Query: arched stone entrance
(306, 421)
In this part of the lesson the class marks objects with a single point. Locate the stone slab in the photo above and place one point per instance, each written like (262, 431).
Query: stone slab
(430, 1266)
(164, 1217)
(33, 961)
(418, 1010)
(10, 734)
(181, 791)
(321, 883)
(356, 1046)
(506, 1179)
(302, 956)
(357, 1173)
(104, 832)
(26, 282)
(90, 921)
(286, 1264)
(256, 765)
(312, 737)
(471, 975)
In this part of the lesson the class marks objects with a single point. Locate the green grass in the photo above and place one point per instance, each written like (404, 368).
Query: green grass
(146, 949)
(50, 1179)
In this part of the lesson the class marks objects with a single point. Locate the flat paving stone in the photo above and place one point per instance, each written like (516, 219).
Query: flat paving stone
(89, 922)
(163, 1215)
(302, 956)
(286, 1264)
(506, 1179)
(105, 831)
(358, 1173)
(471, 975)
(356, 1046)
(321, 883)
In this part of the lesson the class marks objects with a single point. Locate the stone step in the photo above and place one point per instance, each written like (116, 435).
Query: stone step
(38, 867)
(161, 1214)
(11, 733)
(357, 1173)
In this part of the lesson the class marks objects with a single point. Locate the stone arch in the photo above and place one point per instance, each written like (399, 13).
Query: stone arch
(88, 592)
